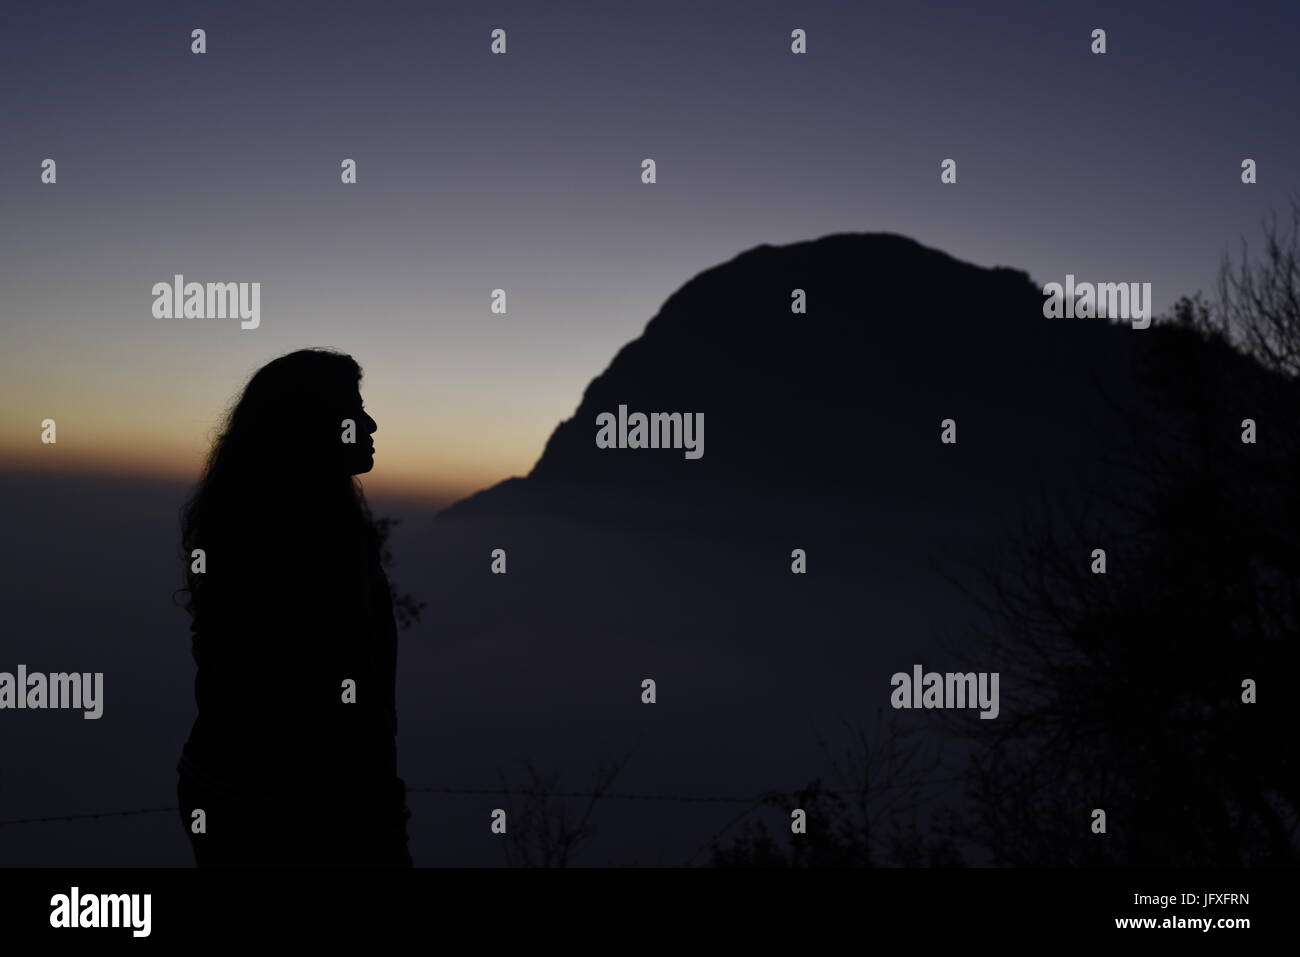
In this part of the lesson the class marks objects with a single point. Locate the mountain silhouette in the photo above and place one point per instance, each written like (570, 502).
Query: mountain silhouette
(823, 433)
(818, 410)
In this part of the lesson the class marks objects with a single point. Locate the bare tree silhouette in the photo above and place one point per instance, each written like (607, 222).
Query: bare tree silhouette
(1124, 691)
(1259, 302)
(406, 607)
(872, 812)
(544, 830)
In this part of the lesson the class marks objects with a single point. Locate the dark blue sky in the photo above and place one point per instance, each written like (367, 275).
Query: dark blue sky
(522, 172)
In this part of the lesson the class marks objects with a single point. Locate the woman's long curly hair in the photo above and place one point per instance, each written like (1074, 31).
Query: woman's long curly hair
(273, 480)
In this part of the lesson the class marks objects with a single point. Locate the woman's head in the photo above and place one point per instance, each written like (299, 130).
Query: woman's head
(291, 417)
(280, 475)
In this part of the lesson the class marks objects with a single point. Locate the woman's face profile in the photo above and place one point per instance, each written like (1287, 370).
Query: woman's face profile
(359, 455)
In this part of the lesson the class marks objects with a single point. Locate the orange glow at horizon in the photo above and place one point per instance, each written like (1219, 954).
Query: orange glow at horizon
(406, 473)
(162, 426)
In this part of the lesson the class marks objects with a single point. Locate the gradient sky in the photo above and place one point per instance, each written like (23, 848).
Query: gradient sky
(523, 171)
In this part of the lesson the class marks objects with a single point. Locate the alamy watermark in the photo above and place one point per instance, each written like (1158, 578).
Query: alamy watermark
(76, 909)
(1108, 300)
(658, 430)
(179, 299)
(59, 690)
(949, 690)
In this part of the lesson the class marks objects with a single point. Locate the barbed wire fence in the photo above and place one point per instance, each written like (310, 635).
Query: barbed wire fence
(865, 776)
(748, 804)
(752, 804)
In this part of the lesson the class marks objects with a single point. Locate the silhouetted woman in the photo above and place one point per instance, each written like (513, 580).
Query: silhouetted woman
(292, 759)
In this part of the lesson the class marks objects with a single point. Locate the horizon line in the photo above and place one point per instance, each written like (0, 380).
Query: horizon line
(112, 469)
